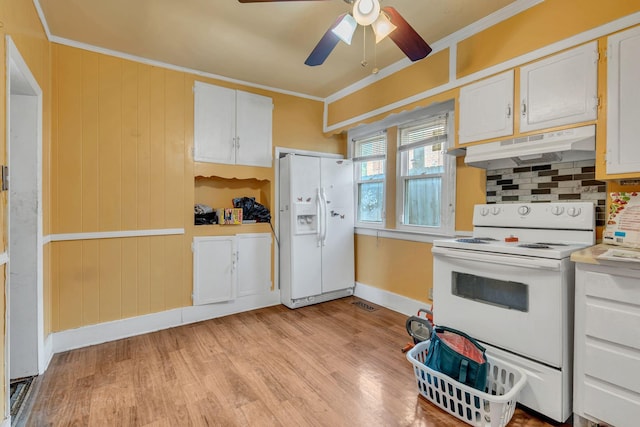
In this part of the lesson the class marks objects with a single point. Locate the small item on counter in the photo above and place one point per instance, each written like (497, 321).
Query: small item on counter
(511, 239)
(204, 215)
(623, 223)
(230, 216)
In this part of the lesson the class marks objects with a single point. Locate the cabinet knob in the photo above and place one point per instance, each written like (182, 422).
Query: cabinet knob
(524, 108)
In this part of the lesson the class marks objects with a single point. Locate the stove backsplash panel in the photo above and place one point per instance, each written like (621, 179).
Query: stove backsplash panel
(554, 182)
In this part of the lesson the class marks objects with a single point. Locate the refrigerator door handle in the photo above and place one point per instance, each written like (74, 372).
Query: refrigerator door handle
(324, 216)
(319, 216)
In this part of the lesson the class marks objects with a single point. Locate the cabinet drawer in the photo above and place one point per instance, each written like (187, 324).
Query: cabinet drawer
(613, 364)
(608, 405)
(617, 288)
(612, 322)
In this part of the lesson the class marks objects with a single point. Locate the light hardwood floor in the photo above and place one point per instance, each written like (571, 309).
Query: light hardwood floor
(331, 364)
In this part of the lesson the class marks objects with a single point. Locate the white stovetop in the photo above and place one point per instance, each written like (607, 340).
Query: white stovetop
(513, 248)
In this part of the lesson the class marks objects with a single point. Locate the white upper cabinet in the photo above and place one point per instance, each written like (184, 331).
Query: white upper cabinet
(486, 108)
(623, 102)
(232, 126)
(560, 90)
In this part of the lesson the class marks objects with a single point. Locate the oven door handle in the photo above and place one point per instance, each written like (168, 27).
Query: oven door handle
(505, 259)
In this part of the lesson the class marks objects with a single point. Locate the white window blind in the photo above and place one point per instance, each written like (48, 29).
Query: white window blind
(422, 183)
(369, 159)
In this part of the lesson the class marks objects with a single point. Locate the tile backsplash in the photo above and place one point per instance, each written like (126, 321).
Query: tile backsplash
(555, 182)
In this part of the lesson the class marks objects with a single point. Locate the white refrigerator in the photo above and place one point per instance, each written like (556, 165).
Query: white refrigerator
(316, 229)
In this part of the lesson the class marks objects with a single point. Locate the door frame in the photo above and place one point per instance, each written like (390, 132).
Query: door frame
(20, 78)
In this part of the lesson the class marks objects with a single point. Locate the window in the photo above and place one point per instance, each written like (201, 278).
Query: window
(369, 161)
(425, 174)
(422, 175)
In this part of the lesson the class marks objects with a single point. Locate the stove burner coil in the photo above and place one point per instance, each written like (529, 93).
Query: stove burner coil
(471, 240)
(535, 245)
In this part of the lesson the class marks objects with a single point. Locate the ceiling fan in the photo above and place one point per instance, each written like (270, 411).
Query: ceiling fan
(385, 21)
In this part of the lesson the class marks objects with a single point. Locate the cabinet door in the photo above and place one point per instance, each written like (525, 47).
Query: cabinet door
(254, 114)
(560, 90)
(214, 269)
(623, 104)
(486, 108)
(254, 263)
(214, 124)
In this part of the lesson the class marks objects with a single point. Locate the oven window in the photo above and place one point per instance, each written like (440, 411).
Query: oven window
(511, 295)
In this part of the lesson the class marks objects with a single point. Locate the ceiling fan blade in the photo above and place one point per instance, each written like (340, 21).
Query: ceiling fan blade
(405, 37)
(325, 45)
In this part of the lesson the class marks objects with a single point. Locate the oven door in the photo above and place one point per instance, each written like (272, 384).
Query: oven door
(520, 304)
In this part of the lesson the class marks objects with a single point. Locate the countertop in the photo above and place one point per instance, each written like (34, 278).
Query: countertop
(590, 256)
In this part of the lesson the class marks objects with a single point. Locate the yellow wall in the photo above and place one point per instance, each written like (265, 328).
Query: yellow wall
(401, 267)
(18, 19)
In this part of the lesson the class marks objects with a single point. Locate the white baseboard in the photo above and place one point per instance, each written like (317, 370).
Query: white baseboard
(395, 302)
(48, 354)
(111, 331)
(6, 422)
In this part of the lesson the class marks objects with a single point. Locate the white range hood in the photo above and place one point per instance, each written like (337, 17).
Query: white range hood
(568, 145)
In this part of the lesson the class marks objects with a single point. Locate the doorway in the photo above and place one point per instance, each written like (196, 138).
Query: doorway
(24, 288)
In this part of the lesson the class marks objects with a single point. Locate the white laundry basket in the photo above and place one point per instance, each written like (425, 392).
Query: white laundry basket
(492, 408)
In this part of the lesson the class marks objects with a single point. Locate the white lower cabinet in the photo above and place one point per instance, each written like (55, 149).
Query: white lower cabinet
(607, 345)
(227, 267)
(254, 264)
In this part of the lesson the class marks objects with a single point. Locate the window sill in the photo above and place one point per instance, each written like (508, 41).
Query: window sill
(412, 236)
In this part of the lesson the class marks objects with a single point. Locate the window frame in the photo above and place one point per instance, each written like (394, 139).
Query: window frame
(354, 139)
(448, 195)
(448, 176)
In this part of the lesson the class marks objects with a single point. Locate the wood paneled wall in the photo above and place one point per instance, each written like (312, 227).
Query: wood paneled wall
(119, 144)
(101, 280)
(119, 150)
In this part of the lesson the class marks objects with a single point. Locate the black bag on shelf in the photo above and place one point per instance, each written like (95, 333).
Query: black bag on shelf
(252, 210)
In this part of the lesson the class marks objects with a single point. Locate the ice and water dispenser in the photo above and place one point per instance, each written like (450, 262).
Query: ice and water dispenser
(306, 218)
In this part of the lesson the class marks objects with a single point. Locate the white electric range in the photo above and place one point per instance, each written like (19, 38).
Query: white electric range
(511, 286)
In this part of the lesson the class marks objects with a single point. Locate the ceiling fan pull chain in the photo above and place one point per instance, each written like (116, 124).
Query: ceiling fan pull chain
(364, 47)
(375, 59)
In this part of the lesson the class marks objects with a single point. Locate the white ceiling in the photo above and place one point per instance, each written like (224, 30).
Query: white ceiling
(260, 43)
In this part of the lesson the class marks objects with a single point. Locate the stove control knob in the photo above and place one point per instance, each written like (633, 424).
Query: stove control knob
(484, 211)
(574, 211)
(524, 210)
(557, 210)
(495, 210)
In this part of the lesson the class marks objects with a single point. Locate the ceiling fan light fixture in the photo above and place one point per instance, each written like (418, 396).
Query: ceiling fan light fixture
(382, 27)
(345, 28)
(366, 11)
